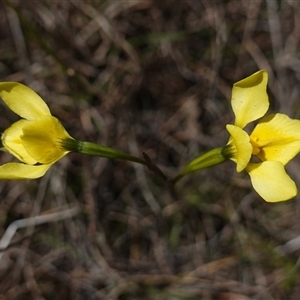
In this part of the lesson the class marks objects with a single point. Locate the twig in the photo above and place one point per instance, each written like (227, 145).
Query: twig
(33, 221)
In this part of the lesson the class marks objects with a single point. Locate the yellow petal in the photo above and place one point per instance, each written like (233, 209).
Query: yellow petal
(21, 171)
(242, 149)
(249, 99)
(271, 182)
(278, 138)
(11, 140)
(23, 101)
(42, 139)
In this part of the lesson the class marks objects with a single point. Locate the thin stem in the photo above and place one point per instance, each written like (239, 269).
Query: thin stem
(98, 150)
(206, 160)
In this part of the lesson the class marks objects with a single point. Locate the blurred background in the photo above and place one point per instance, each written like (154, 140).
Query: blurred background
(154, 77)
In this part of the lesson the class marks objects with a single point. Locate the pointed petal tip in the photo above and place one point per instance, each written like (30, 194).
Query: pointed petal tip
(257, 78)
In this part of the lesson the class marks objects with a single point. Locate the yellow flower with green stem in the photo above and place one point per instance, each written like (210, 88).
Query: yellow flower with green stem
(263, 154)
(39, 140)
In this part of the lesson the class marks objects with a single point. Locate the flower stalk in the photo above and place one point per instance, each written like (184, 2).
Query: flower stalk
(209, 159)
(93, 149)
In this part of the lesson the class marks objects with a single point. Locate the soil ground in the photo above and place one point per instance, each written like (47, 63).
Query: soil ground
(153, 77)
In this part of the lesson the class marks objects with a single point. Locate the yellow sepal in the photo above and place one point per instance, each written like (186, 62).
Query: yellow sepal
(15, 171)
(23, 100)
(271, 182)
(249, 99)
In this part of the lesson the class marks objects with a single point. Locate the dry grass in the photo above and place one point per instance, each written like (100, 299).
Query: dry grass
(152, 76)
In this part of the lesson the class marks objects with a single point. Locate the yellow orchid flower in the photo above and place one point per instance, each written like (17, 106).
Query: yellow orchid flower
(39, 140)
(274, 141)
(36, 140)
(263, 154)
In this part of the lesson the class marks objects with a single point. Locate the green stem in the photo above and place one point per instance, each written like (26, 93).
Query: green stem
(98, 150)
(211, 158)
